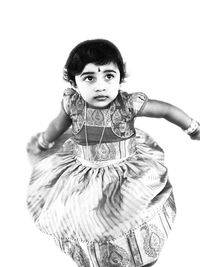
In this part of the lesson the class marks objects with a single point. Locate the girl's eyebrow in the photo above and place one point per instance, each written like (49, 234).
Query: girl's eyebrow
(105, 71)
(92, 72)
(87, 72)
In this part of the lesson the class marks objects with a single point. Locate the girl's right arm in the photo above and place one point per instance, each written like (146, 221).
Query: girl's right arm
(46, 139)
(57, 126)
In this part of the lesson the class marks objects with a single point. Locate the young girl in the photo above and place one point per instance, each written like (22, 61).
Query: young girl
(103, 193)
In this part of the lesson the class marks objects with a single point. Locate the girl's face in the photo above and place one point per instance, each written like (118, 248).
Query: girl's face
(98, 84)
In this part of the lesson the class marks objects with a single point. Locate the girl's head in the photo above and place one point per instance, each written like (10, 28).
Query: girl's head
(96, 69)
(98, 52)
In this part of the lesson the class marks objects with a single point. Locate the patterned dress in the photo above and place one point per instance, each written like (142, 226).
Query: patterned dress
(104, 195)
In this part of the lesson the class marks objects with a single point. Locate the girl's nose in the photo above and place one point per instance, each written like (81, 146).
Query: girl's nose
(100, 87)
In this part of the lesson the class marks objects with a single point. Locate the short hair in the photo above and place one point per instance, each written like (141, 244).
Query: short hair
(97, 51)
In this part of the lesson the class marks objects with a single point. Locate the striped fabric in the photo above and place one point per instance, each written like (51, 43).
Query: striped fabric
(75, 199)
(139, 247)
(107, 205)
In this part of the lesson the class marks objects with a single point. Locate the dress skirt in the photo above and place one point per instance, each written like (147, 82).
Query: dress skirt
(117, 211)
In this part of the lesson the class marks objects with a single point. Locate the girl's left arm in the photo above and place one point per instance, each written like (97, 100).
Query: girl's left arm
(159, 109)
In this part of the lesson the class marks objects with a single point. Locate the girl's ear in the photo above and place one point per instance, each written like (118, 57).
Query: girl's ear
(73, 84)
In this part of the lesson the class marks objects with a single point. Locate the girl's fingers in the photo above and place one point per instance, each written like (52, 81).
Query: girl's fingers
(32, 146)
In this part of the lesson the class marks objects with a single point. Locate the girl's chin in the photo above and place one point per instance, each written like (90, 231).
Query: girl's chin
(98, 104)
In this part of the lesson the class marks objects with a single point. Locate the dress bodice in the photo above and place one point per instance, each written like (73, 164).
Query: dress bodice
(119, 116)
(103, 134)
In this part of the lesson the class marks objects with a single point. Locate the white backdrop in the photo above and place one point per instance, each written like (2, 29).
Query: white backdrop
(161, 46)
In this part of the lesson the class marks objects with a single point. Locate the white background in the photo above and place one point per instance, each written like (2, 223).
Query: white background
(160, 43)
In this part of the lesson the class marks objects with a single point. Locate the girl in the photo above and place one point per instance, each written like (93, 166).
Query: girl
(103, 193)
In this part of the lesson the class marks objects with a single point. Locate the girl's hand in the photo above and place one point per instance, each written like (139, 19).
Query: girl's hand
(196, 136)
(33, 147)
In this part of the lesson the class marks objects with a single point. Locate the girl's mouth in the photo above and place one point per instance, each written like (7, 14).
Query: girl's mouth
(101, 98)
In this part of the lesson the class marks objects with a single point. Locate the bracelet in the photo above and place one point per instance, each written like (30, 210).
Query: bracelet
(43, 143)
(193, 129)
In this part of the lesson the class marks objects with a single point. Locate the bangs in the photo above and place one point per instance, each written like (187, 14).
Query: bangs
(99, 52)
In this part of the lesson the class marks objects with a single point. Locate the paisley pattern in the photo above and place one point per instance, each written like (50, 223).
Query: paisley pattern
(122, 112)
(73, 104)
(137, 248)
(107, 205)
(153, 241)
(75, 251)
(122, 116)
(98, 117)
(106, 151)
(113, 256)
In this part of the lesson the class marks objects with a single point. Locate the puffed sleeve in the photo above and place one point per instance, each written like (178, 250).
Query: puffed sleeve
(66, 101)
(138, 101)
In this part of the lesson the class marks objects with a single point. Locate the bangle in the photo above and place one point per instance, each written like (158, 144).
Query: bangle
(193, 128)
(43, 143)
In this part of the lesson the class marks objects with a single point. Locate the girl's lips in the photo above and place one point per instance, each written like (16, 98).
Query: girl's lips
(101, 97)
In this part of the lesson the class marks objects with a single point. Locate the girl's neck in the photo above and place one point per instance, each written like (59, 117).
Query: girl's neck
(101, 108)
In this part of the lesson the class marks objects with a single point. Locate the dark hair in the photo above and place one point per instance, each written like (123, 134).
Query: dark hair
(97, 51)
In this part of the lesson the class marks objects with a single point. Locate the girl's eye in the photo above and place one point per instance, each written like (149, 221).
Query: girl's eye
(109, 76)
(88, 78)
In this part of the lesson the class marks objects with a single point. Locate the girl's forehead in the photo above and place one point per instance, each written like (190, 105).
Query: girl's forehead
(91, 67)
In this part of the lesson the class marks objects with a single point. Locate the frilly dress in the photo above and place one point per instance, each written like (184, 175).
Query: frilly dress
(107, 204)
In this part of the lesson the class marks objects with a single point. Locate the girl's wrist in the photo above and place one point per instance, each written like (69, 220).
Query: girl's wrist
(43, 143)
(193, 129)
